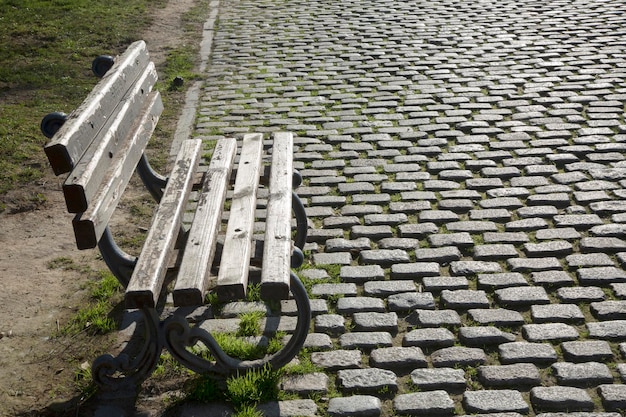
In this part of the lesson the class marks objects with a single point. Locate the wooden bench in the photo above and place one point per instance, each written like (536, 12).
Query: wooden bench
(102, 143)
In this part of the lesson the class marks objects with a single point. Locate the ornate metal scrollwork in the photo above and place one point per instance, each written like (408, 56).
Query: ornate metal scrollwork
(125, 373)
(179, 336)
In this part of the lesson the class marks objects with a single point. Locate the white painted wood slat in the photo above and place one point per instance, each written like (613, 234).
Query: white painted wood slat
(194, 272)
(89, 226)
(232, 279)
(69, 143)
(276, 269)
(84, 181)
(149, 273)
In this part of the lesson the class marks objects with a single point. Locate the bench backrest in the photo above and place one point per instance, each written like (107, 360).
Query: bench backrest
(103, 140)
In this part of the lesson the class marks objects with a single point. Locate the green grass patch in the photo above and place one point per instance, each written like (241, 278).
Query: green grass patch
(96, 317)
(243, 391)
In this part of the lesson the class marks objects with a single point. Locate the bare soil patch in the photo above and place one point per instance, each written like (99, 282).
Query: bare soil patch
(37, 370)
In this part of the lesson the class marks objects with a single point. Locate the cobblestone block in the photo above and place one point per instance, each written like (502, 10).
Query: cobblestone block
(565, 233)
(327, 290)
(613, 396)
(460, 239)
(316, 382)
(365, 340)
(494, 401)
(384, 257)
(601, 275)
(581, 260)
(501, 280)
(337, 359)
(356, 405)
(438, 284)
(367, 380)
(582, 374)
(386, 288)
(432, 403)
(602, 244)
(336, 258)
(549, 332)
(516, 375)
(361, 273)
(429, 338)
(534, 264)
(417, 230)
(551, 248)
(289, 408)
(612, 330)
(580, 294)
(506, 237)
(521, 296)
(333, 324)
(409, 301)
(587, 351)
(457, 356)
(464, 299)
(376, 322)
(563, 313)
(398, 359)
(449, 379)
(609, 310)
(474, 267)
(558, 398)
(403, 243)
(441, 255)
(350, 305)
(476, 336)
(434, 318)
(414, 270)
(345, 245)
(496, 316)
(527, 352)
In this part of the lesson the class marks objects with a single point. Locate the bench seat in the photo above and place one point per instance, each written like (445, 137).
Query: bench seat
(249, 181)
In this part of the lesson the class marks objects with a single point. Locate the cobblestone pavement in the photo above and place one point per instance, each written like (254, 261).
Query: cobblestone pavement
(465, 180)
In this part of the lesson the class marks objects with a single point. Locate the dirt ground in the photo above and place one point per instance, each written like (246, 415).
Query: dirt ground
(37, 370)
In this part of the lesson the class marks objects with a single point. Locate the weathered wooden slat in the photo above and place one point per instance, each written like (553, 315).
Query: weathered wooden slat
(84, 181)
(275, 274)
(89, 226)
(232, 278)
(69, 143)
(194, 271)
(145, 284)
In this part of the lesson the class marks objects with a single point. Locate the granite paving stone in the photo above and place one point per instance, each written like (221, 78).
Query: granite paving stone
(337, 359)
(515, 375)
(434, 318)
(613, 396)
(398, 359)
(611, 330)
(587, 351)
(355, 405)
(432, 379)
(458, 356)
(365, 340)
(559, 398)
(562, 313)
(432, 403)
(429, 338)
(521, 296)
(549, 332)
(501, 280)
(464, 299)
(477, 336)
(409, 301)
(496, 317)
(367, 380)
(582, 374)
(494, 401)
(527, 352)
